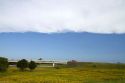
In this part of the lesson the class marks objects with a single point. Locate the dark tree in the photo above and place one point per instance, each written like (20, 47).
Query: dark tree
(32, 65)
(22, 64)
(3, 64)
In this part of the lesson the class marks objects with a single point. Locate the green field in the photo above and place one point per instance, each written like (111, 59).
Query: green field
(84, 73)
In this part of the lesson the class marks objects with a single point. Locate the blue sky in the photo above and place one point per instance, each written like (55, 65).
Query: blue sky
(64, 46)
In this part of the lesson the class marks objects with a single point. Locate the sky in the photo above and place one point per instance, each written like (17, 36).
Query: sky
(88, 47)
(84, 30)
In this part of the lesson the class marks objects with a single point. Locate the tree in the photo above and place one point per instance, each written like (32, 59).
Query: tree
(22, 64)
(3, 64)
(32, 65)
(72, 63)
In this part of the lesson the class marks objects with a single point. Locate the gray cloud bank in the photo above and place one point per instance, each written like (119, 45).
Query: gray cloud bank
(52, 16)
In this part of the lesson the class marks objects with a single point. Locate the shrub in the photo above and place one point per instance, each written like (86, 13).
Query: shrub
(57, 67)
(3, 64)
(32, 65)
(120, 65)
(94, 65)
(72, 63)
(22, 64)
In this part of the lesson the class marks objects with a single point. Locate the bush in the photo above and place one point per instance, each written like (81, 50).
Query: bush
(3, 64)
(22, 64)
(57, 67)
(72, 63)
(32, 65)
(94, 66)
(120, 65)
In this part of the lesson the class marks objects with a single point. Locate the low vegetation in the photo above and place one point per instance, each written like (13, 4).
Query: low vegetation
(72, 63)
(82, 72)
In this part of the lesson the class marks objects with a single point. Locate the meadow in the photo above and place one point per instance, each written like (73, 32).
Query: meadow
(83, 73)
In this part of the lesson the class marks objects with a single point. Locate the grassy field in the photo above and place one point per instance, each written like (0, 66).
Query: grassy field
(84, 73)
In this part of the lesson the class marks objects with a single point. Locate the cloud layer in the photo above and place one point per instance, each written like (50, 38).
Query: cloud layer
(51, 16)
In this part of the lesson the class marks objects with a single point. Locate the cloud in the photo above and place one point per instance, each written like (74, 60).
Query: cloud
(53, 16)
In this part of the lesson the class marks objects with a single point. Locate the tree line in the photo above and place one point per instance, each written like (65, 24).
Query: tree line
(21, 64)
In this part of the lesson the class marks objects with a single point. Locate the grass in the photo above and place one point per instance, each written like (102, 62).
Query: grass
(84, 73)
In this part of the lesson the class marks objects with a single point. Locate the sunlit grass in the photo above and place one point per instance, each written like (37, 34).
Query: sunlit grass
(80, 74)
